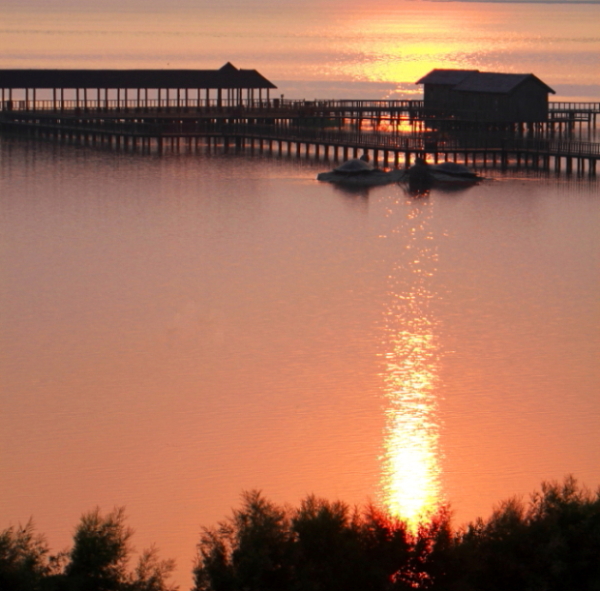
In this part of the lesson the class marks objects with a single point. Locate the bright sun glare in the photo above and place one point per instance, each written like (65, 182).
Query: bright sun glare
(411, 471)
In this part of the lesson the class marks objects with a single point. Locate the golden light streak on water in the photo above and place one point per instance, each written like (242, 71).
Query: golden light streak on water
(411, 465)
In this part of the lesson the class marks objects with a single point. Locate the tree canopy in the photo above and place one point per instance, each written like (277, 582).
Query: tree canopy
(98, 560)
(549, 543)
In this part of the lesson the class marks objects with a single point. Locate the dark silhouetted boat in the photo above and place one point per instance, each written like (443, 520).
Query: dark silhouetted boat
(422, 176)
(359, 172)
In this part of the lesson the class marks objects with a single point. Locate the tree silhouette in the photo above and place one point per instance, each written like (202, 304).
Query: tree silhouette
(24, 560)
(151, 573)
(321, 545)
(550, 543)
(101, 549)
(247, 551)
(100, 556)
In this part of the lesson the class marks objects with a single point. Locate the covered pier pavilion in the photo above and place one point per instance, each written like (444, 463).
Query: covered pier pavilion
(109, 90)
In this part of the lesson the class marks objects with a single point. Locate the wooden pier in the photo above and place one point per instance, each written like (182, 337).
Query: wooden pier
(393, 133)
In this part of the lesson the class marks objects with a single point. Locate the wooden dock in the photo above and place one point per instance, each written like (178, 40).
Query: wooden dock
(393, 133)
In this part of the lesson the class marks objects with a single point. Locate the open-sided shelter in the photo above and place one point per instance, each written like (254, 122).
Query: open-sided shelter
(228, 85)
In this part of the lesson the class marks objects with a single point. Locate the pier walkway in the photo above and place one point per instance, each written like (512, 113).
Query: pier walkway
(561, 115)
(392, 132)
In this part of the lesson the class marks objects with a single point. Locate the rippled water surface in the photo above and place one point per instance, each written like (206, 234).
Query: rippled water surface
(178, 329)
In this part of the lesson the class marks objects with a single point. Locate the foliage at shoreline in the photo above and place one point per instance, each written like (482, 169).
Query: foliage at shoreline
(551, 542)
(98, 560)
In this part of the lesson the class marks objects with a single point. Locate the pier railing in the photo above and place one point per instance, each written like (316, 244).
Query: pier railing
(425, 142)
(422, 142)
(574, 106)
(144, 104)
(290, 135)
(94, 106)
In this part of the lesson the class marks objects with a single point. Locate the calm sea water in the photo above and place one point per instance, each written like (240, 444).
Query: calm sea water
(177, 329)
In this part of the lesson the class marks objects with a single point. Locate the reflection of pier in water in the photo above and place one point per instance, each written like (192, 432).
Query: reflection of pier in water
(411, 485)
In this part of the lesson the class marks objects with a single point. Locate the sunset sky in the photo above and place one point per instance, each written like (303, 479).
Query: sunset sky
(332, 49)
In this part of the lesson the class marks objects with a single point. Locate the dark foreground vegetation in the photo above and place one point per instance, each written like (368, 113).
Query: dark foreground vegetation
(552, 542)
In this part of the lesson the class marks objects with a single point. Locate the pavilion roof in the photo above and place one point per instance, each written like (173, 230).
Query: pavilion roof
(226, 77)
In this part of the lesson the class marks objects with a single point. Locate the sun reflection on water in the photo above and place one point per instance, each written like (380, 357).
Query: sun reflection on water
(411, 464)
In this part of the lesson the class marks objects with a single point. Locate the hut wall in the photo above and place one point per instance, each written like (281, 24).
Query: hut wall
(438, 97)
(479, 106)
(527, 103)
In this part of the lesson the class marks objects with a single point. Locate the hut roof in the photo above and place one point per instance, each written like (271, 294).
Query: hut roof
(496, 83)
(226, 77)
(476, 81)
(446, 77)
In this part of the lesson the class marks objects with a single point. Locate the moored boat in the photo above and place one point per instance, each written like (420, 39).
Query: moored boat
(423, 176)
(359, 172)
